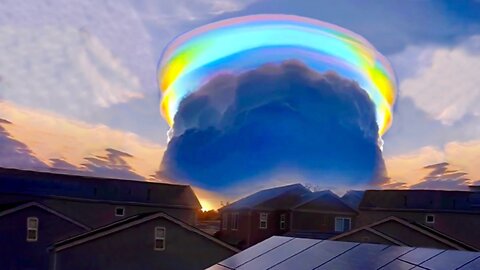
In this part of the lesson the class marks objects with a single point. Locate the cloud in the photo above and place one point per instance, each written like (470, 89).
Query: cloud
(63, 70)
(279, 120)
(51, 138)
(446, 87)
(169, 15)
(115, 24)
(33, 140)
(13, 152)
(442, 176)
(454, 167)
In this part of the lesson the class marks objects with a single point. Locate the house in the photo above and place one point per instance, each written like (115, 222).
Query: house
(286, 253)
(39, 210)
(259, 216)
(95, 201)
(145, 241)
(288, 210)
(452, 213)
(27, 230)
(400, 232)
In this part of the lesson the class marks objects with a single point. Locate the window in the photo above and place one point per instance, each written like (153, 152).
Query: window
(342, 224)
(430, 218)
(263, 220)
(32, 229)
(120, 211)
(234, 221)
(283, 219)
(160, 234)
(225, 221)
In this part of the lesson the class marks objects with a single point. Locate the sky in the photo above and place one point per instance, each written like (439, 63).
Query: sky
(79, 91)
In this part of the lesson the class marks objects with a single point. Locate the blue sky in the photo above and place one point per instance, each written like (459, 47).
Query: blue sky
(92, 64)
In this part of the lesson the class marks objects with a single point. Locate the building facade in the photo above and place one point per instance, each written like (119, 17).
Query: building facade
(154, 241)
(58, 221)
(26, 232)
(288, 210)
(455, 214)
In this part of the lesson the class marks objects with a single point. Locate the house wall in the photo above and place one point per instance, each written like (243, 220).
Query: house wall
(316, 221)
(249, 232)
(447, 223)
(133, 249)
(16, 252)
(273, 228)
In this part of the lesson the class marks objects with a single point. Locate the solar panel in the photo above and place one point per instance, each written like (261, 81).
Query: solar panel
(286, 253)
(315, 255)
(397, 265)
(366, 256)
(472, 265)
(255, 251)
(218, 267)
(279, 254)
(450, 259)
(419, 255)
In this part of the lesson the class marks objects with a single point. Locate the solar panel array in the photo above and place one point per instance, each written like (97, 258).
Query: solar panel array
(287, 253)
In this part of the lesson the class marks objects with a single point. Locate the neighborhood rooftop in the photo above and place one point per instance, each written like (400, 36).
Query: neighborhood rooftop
(55, 185)
(438, 200)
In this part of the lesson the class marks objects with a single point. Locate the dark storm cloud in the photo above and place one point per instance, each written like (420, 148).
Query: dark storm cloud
(272, 121)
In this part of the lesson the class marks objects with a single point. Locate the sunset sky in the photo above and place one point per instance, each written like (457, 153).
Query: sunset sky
(79, 91)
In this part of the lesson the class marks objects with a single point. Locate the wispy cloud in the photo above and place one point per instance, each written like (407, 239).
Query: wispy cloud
(452, 167)
(446, 84)
(50, 136)
(63, 70)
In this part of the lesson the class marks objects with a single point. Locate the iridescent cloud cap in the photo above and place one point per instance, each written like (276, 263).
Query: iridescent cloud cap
(240, 44)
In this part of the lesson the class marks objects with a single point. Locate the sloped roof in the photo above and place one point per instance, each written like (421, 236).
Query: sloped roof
(128, 223)
(285, 253)
(376, 228)
(274, 198)
(428, 200)
(323, 201)
(46, 184)
(353, 198)
(11, 208)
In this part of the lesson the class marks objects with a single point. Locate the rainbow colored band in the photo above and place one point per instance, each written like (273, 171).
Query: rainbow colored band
(244, 43)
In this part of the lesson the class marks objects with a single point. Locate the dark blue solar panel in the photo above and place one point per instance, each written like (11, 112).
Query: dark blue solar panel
(255, 251)
(450, 259)
(473, 265)
(315, 255)
(398, 265)
(279, 254)
(365, 256)
(419, 255)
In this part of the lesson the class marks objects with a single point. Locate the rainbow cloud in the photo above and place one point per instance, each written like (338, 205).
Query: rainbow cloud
(244, 43)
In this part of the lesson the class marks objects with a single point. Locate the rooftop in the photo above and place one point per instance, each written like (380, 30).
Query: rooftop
(428, 200)
(65, 186)
(270, 198)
